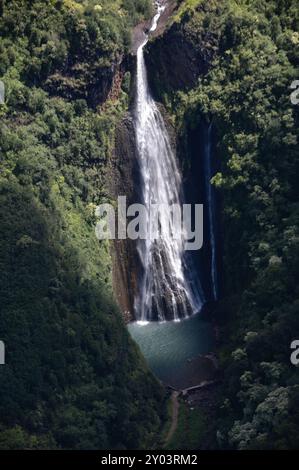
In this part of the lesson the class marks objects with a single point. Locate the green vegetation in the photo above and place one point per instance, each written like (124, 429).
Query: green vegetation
(246, 94)
(185, 7)
(73, 378)
(161, 437)
(190, 429)
(70, 48)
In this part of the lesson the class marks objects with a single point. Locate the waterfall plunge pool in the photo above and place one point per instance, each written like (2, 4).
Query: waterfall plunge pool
(175, 351)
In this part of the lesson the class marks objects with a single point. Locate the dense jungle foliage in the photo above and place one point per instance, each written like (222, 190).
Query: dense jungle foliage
(246, 95)
(72, 378)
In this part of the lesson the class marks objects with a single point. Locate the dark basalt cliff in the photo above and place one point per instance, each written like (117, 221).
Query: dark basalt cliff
(74, 84)
(176, 59)
(124, 182)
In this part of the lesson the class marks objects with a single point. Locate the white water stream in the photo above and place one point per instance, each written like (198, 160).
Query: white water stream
(167, 288)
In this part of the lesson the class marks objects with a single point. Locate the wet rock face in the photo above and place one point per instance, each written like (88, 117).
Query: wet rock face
(125, 182)
(177, 58)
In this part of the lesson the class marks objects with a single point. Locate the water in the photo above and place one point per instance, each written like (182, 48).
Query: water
(172, 350)
(168, 289)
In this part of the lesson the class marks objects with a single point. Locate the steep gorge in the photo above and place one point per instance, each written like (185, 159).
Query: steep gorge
(220, 73)
(224, 69)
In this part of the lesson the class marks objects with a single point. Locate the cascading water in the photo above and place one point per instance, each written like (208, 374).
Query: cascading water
(167, 288)
(209, 189)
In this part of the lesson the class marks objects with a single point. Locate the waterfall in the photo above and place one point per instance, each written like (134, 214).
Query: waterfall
(167, 290)
(210, 196)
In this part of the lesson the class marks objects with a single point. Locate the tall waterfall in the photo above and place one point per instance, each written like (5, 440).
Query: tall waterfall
(209, 189)
(167, 290)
